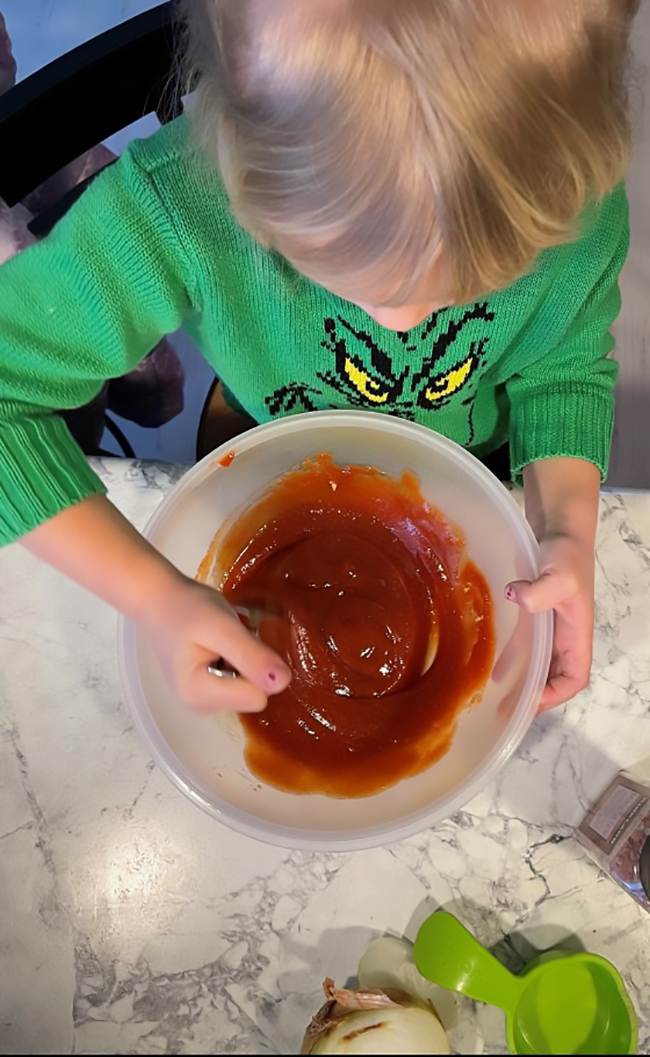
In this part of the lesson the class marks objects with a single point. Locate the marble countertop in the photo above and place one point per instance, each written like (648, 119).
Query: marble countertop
(132, 923)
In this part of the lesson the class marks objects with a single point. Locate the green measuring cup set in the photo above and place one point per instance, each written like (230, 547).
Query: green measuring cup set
(561, 1002)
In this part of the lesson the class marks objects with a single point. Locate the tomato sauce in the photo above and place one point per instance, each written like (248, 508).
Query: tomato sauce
(370, 583)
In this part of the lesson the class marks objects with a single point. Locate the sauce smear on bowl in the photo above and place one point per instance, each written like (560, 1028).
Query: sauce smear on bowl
(371, 582)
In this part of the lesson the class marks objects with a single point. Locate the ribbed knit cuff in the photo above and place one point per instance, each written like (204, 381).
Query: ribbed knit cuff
(566, 420)
(42, 472)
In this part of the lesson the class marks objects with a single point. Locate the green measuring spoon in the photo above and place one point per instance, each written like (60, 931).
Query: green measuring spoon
(561, 1003)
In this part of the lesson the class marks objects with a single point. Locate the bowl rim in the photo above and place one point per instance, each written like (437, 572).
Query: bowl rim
(370, 836)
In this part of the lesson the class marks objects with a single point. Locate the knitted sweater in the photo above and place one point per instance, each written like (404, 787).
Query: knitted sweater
(152, 246)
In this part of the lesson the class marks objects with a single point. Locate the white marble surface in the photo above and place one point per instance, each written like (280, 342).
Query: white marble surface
(131, 923)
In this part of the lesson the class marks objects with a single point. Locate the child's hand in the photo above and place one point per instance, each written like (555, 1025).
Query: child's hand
(562, 503)
(565, 585)
(196, 627)
(190, 626)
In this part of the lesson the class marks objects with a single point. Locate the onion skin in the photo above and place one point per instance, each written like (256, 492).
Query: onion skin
(344, 1004)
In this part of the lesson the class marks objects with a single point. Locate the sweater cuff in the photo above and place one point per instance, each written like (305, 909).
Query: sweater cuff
(42, 473)
(567, 420)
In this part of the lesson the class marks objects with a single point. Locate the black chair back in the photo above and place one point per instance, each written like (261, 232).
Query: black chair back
(61, 111)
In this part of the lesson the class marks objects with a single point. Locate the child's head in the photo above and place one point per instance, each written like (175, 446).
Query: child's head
(388, 148)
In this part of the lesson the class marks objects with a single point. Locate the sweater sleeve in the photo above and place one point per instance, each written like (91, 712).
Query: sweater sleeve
(85, 305)
(563, 405)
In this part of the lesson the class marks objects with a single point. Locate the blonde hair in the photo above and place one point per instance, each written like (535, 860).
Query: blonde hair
(369, 140)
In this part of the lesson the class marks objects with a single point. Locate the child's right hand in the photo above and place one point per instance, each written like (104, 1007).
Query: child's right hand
(190, 626)
(198, 627)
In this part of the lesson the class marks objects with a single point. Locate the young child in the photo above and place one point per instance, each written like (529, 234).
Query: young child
(408, 207)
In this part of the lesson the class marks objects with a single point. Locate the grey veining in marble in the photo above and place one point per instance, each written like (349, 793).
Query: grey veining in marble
(131, 923)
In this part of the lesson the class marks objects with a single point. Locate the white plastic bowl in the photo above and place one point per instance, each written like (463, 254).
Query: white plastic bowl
(204, 756)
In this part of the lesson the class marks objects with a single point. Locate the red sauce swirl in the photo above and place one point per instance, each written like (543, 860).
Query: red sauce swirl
(372, 581)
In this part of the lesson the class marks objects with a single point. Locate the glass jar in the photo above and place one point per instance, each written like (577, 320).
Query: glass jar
(616, 835)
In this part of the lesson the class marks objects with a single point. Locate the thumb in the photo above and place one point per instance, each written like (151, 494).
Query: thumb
(539, 596)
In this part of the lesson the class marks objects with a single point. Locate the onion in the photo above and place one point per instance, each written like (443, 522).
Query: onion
(388, 962)
(374, 1021)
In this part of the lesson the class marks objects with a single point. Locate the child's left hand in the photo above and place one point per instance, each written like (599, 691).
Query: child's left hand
(565, 585)
(562, 504)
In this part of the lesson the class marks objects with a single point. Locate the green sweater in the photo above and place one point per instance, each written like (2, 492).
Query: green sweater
(152, 246)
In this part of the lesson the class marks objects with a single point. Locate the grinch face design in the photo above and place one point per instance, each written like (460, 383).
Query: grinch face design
(366, 376)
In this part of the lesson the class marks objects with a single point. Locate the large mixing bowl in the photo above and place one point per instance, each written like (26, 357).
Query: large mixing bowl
(204, 756)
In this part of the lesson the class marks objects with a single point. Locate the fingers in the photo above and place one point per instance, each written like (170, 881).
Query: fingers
(256, 662)
(558, 590)
(571, 662)
(221, 635)
(207, 693)
(562, 688)
(551, 590)
(260, 673)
